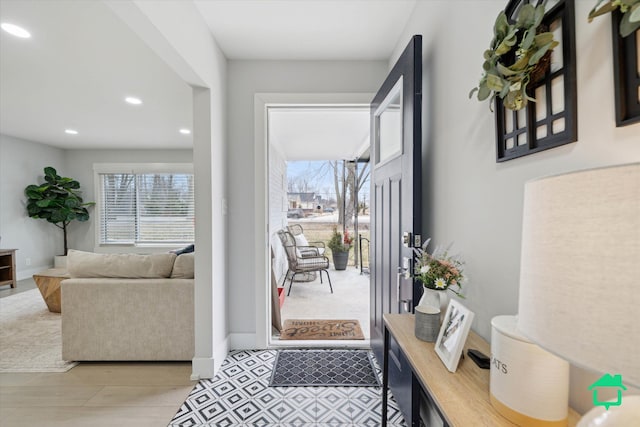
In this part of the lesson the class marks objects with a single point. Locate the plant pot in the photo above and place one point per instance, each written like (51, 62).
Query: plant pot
(340, 260)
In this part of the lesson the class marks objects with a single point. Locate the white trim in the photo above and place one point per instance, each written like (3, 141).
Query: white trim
(262, 270)
(27, 274)
(242, 341)
(142, 167)
(202, 367)
(208, 367)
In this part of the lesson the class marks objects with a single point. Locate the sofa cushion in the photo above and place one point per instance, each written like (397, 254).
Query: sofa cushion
(89, 264)
(183, 266)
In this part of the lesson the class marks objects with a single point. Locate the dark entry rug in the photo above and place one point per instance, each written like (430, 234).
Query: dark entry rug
(353, 368)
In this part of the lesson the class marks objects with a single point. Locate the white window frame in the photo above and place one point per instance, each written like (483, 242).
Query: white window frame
(132, 168)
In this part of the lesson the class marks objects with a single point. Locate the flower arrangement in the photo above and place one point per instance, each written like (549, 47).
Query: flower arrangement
(337, 243)
(439, 270)
(630, 10)
(519, 54)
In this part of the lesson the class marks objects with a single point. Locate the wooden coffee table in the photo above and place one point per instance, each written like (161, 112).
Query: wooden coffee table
(48, 282)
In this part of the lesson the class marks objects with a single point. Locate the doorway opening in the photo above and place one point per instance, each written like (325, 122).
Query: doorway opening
(318, 168)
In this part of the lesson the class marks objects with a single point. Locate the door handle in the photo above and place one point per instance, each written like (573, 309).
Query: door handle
(402, 272)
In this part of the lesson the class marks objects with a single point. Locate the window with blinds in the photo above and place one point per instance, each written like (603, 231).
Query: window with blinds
(146, 208)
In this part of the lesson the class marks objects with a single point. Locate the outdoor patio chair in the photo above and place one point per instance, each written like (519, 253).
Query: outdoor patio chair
(311, 248)
(299, 264)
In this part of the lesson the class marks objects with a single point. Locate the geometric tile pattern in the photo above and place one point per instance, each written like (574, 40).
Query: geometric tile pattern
(240, 395)
(324, 368)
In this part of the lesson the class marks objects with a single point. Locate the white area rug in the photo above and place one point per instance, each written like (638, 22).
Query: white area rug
(30, 335)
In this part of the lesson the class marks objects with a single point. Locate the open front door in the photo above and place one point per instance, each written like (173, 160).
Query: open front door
(396, 227)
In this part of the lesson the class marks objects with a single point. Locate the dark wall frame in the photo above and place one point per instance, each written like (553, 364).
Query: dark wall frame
(625, 74)
(564, 10)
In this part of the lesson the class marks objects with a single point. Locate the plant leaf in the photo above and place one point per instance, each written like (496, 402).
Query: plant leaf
(543, 38)
(526, 17)
(528, 39)
(505, 71)
(540, 53)
(501, 27)
(606, 8)
(627, 27)
(494, 82)
(49, 171)
(483, 93)
(634, 14)
(539, 15)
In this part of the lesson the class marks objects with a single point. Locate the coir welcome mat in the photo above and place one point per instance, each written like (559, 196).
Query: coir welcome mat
(312, 329)
(353, 368)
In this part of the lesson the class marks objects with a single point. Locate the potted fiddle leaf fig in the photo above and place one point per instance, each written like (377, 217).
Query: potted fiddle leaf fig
(57, 201)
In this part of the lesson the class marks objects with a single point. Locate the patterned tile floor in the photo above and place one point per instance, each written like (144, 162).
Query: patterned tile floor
(240, 395)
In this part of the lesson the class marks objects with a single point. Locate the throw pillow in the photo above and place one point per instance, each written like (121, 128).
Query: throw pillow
(183, 267)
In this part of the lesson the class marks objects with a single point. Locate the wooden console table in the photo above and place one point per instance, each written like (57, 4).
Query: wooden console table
(48, 282)
(452, 399)
(8, 267)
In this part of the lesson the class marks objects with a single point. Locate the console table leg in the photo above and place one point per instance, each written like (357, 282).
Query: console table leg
(385, 376)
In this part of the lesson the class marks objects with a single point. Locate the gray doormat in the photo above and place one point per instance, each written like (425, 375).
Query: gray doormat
(300, 368)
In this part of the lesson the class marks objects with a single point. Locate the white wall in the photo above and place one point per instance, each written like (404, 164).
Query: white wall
(471, 200)
(277, 208)
(80, 166)
(178, 34)
(22, 163)
(247, 78)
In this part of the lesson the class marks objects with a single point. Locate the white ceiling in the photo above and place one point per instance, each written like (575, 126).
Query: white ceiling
(319, 133)
(306, 29)
(75, 71)
(82, 61)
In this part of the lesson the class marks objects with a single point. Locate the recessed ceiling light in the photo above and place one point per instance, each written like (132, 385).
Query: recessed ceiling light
(15, 30)
(71, 131)
(185, 131)
(133, 100)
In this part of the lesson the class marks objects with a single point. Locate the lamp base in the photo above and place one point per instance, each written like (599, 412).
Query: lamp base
(625, 415)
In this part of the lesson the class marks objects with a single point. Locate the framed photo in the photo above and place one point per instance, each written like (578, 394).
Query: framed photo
(453, 334)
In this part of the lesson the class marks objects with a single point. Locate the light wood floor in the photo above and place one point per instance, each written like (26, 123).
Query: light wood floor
(95, 394)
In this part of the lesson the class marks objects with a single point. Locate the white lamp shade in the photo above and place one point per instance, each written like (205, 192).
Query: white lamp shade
(580, 268)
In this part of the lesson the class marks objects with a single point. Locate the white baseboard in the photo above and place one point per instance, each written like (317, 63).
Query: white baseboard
(207, 367)
(26, 274)
(202, 367)
(242, 341)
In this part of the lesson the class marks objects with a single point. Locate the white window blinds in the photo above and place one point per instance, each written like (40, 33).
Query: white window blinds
(146, 208)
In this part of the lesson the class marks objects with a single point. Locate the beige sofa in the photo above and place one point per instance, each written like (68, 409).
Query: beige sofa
(128, 307)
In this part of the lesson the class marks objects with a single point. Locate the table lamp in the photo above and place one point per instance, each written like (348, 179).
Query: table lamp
(580, 278)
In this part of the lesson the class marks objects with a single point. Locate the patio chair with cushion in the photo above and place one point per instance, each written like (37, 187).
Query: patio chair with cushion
(312, 248)
(302, 264)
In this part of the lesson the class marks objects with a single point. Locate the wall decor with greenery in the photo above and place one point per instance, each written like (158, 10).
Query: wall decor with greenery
(625, 29)
(529, 75)
(57, 201)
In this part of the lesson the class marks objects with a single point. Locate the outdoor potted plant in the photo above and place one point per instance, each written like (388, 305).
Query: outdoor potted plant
(57, 201)
(340, 248)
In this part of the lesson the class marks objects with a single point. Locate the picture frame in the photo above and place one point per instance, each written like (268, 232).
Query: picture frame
(453, 334)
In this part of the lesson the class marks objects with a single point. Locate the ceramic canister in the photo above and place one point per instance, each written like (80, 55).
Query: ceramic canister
(528, 385)
(427, 324)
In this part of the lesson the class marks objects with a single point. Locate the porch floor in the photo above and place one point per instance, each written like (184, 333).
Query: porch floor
(314, 300)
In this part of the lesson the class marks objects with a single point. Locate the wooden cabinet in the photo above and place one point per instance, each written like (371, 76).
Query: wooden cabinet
(8, 267)
(439, 397)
